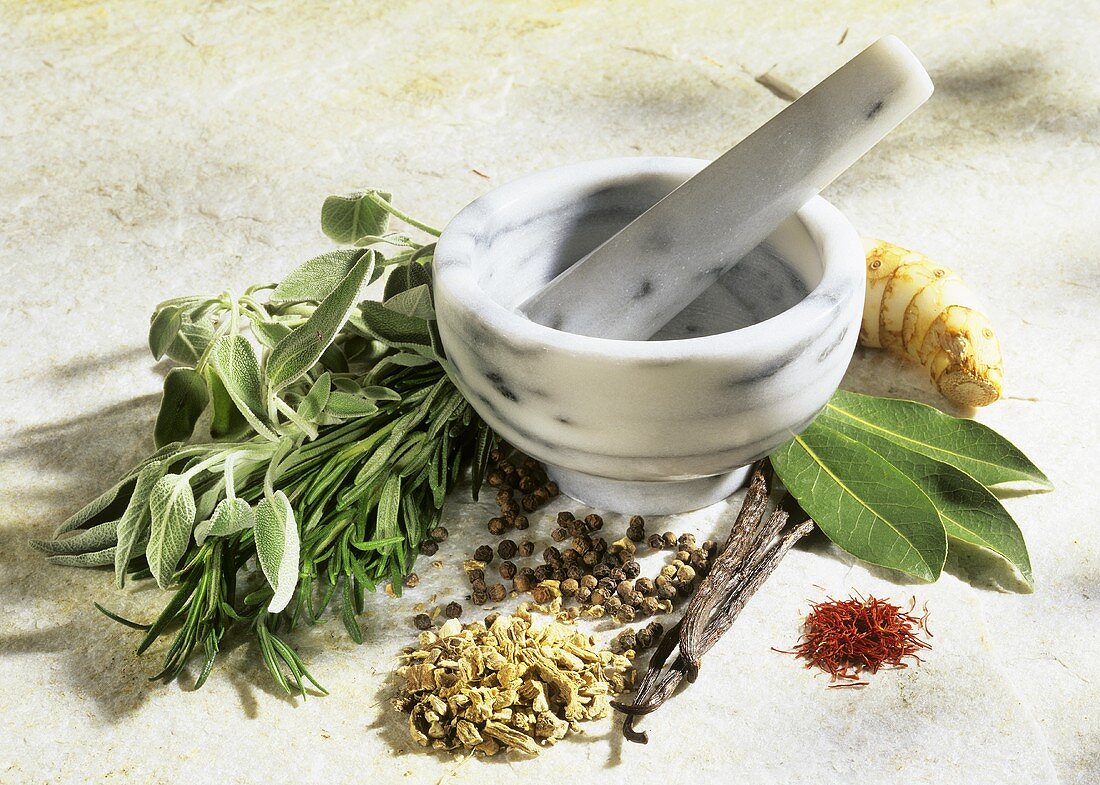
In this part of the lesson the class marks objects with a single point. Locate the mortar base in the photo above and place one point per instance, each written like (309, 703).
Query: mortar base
(641, 497)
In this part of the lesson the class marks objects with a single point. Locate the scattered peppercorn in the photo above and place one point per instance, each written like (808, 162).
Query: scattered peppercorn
(439, 533)
(484, 553)
(497, 526)
(429, 548)
(521, 522)
(542, 594)
(453, 610)
(507, 570)
(526, 548)
(422, 621)
(507, 549)
(497, 592)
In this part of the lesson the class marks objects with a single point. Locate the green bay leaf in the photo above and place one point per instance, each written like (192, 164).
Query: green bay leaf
(862, 502)
(968, 510)
(974, 448)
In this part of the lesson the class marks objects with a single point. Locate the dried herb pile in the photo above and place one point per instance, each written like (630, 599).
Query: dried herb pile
(511, 685)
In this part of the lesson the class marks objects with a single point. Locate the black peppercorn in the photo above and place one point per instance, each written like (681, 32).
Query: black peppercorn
(627, 641)
(551, 554)
(543, 572)
(453, 610)
(529, 504)
(484, 553)
(429, 548)
(524, 581)
(650, 605)
(613, 604)
(625, 614)
(412, 580)
(527, 484)
(670, 539)
(490, 618)
(570, 556)
(495, 479)
(574, 571)
(478, 584)
(526, 548)
(564, 517)
(497, 592)
(645, 586)
(542, 594)
(507, 549)
(511, 509)
(656, 542)
(666, 591)
(504, 495)
(591, 558)
(497, 525)
(589, 582)
(643, 638)
(439, 533)
(541, 495)
(507, 570)
(599, 597)
(632, 569)
(521, 522)
(594, 521)
(479, 597)
(558, 535)
(422, 621)
(617, 575)
(601, 571)
(569, 587)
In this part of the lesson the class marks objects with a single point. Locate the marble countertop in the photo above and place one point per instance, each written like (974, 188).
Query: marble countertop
(150, 149)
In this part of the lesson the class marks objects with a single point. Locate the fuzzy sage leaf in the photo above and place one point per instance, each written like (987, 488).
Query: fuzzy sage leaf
(277, 547)
(172, 507)
(300, 351)
(185, 399)
(347, 218)
(235, 361)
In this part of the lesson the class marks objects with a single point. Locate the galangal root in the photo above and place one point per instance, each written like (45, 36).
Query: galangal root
(918, 309)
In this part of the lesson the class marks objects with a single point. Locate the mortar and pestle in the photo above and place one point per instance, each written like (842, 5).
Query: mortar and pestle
(648, 327)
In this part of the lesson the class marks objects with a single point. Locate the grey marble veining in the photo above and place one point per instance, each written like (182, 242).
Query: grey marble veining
(771, 339)
(632, 284)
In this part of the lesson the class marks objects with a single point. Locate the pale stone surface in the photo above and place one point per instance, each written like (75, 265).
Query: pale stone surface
(148, 151)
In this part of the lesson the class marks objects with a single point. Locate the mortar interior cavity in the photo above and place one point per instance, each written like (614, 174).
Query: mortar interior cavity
(534, 238)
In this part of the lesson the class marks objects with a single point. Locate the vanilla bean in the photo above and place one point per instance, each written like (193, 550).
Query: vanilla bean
(753, 550)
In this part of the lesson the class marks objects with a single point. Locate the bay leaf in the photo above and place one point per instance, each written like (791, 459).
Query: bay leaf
(184, 400)
(974, 448)
(347, 218)
(302, 348)
(277, 547)
(968, 510)
(862, 502)
(172, 508)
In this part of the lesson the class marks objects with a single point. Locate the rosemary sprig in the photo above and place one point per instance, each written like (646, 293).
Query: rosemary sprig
(335, 435)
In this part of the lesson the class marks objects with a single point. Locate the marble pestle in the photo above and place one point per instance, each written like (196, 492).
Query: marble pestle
(638, 280)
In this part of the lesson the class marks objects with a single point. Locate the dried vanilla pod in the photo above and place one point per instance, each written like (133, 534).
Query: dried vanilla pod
(506, 686)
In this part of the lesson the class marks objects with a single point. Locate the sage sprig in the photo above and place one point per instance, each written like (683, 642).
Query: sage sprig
(333, 437)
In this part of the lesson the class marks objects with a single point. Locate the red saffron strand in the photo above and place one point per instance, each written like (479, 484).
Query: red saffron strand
(846, 638)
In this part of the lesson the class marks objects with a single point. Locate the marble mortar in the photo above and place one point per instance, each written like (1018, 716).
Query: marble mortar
(649, 427)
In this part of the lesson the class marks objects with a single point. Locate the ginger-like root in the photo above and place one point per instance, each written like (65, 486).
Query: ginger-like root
(921, 310)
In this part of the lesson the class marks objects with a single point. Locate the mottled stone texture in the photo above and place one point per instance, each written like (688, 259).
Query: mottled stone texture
(153, 149)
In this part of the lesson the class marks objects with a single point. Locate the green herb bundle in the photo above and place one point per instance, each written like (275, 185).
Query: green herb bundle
(334, 436)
